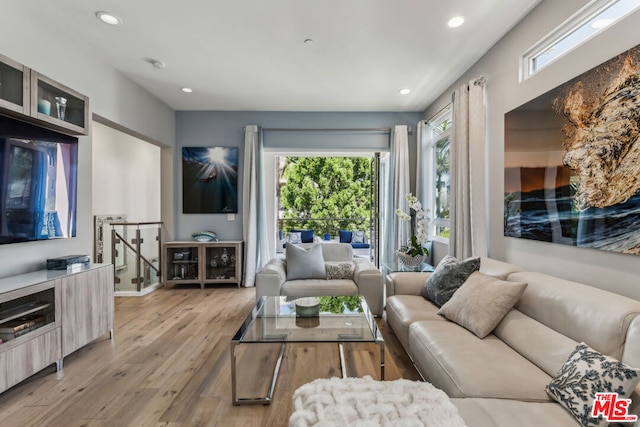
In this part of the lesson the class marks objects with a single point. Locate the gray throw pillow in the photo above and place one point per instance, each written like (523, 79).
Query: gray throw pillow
(305, 263)
(448, 276)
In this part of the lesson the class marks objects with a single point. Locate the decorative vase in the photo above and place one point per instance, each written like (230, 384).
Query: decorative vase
(410, 260)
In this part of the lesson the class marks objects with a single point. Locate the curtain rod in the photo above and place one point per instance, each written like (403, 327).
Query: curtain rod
(328, 129)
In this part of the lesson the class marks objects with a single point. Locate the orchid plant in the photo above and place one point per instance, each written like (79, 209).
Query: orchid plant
(420, 236)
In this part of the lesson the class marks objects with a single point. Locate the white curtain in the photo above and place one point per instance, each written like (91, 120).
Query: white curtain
(468, 234)
(397, 231)
(253, 218)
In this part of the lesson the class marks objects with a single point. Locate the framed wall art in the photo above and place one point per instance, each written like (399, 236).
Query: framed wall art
(209, 179)
(572, 161)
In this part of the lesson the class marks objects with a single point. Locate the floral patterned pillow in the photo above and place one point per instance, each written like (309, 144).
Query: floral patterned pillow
(357, 236)
(295, 238)
(586, 373)
(339, 270)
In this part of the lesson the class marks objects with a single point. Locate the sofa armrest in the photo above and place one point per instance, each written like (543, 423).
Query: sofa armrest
(405, 283)
(370, 284)
(270, 278)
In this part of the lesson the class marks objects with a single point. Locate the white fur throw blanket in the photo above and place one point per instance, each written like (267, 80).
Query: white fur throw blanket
(364, 402)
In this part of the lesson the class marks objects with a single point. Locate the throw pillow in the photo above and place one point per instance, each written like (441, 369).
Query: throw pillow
(357, 237)
(307, 235)
(481, 303)
(294, 238)
(345, 236)
(448, 276)
(340, 270)
(305, 263)
(586, 373)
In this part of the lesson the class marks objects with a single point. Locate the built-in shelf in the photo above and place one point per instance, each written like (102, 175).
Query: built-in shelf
(33, 97)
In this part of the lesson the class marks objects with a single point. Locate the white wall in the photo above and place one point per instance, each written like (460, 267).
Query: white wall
(111, 95)
(126, 175)
(613, 271)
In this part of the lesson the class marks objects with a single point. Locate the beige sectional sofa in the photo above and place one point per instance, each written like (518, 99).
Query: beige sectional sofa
(367, 279)
(500, 380)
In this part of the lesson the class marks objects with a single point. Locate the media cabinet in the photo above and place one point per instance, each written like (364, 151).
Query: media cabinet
(73, 308)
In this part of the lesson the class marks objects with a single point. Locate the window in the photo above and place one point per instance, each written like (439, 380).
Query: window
(437, 161)
(586, 23)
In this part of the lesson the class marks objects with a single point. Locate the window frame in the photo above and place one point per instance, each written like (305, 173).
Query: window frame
(429, 144)
(573, 24)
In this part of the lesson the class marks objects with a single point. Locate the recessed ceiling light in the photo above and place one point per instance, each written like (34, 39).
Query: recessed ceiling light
(601, 23)
(456, 21)
(186, 89)
(109, 18)
(404, 91)
(308, 41)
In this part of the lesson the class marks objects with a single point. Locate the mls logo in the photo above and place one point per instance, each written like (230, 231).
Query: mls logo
(612, 408)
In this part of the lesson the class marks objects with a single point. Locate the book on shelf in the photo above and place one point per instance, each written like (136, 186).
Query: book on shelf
(18, 327)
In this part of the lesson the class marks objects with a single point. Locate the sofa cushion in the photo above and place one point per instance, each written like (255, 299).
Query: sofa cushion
(403, 310)
(448, 276)
(480, 412)
(307, 235)
(481, 303)
(340, 270)
(305, 262)
(462, 365)
(345, 236)
(547, 348)
(360, 245)
(318, 287)
(586, 373)
(583, 313)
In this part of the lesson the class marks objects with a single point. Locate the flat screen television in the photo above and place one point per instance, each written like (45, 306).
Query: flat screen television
(38, 182)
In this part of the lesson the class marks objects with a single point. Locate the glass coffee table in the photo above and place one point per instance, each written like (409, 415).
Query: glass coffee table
(345, 319)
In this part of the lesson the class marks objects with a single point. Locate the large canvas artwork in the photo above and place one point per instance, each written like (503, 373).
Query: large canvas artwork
(572, 161)
(209, 180)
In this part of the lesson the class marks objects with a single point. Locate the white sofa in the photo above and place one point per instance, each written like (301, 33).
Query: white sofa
(367, 279)
(500, 380)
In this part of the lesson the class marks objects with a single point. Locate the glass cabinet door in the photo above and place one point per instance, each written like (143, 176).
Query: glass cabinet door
(182, 263)
(14, 86)
(221, 263)
(58, 104)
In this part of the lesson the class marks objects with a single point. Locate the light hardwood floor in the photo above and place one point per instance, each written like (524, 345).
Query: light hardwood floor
(169, 365)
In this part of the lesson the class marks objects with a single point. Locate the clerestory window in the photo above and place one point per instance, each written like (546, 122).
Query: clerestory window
(584, 24)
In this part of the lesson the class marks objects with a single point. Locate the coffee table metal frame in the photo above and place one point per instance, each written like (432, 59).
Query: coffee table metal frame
(269, 309)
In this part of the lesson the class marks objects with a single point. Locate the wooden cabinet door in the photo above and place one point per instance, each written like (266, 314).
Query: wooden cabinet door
(33, 356)
(87, 307)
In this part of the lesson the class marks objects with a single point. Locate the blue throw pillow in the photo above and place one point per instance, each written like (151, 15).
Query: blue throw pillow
(307, 235)
(345, 236)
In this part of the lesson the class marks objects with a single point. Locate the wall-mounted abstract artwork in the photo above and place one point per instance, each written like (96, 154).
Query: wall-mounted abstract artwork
(572, 161)
(209, 180)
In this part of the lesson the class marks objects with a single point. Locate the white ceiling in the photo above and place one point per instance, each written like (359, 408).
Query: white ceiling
(250, 55)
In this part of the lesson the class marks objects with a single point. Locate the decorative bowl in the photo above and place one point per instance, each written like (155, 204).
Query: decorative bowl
(307, 307)
(205, 236)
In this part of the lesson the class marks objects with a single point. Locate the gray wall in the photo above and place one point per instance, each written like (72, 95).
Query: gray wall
(608, 270)
(111, 95)
(211, 128)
